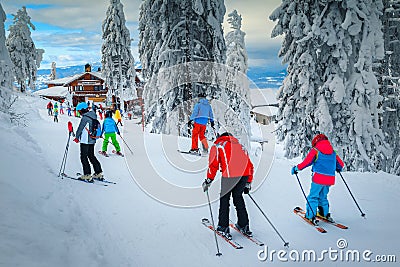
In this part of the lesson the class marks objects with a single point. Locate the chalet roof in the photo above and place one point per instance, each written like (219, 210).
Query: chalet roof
(261, 97)
(78, 76)
(55, 91)
(267, 111)
(62, 81)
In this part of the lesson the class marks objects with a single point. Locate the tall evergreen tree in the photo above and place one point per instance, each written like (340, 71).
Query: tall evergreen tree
(24, 55)
(388, 73)
(330, 47)
(6, 76)
(237, 95)
(174, 33)
(117, 60)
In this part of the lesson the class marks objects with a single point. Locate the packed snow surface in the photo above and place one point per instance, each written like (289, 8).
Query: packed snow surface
(49, 221)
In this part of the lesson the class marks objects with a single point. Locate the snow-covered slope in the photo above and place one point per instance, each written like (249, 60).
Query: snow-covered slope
(49, 221)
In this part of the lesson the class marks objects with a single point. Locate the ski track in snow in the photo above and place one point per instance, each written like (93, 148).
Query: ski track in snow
(49, 221)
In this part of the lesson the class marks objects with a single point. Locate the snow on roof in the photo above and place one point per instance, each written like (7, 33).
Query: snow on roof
(57, 91)
(77, 76)
(61, 81)
(268, 111)
(260, 97)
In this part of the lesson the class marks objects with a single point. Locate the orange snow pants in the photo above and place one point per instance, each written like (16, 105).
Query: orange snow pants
(198, 132)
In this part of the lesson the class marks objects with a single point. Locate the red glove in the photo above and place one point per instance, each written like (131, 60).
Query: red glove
(76, 140)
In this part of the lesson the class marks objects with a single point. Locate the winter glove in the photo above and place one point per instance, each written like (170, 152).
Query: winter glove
(212, 124)
(339, 169)
(247, 188)
(206, 184)
(76, 140)
(295, 170)
(190, 123)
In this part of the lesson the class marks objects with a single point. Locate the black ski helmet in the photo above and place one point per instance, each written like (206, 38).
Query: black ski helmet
(108, 114)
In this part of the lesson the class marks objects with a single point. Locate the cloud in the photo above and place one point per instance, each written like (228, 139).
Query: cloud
(71, 27)
(86, 15)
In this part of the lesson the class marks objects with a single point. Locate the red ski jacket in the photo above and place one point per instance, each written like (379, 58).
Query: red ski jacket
(318, 177)
(228, 155)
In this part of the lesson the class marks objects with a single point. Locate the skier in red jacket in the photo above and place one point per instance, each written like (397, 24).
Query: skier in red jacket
(228, 155)
(325, 162)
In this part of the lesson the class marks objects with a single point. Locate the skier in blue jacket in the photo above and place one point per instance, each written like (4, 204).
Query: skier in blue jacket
(110, 129)
(202, 113)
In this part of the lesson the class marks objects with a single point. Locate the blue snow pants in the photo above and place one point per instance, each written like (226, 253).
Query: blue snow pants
(318, 197)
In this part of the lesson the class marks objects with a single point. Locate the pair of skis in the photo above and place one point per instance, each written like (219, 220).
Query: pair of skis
(106, 155)
(194, 154)
(98, 182)
(233, 243)
(301, 213)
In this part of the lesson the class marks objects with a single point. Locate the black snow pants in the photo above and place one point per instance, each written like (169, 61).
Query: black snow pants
(87, 153)
(234, 187)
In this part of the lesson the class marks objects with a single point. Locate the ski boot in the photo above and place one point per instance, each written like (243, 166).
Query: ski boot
(327, 217)
(244, 230)
(119, 153)
(224, 231)
(98, 176)
(312, 220)
(194, 151)
(86, 177)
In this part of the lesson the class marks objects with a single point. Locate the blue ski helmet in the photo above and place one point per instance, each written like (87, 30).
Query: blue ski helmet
(81, 106)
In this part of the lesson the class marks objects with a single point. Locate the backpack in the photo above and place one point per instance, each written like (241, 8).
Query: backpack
(95, 131)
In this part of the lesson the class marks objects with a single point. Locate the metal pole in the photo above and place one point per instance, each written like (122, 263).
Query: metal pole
(304, 194)
(362, 213)
(212, 221)
(286, 244)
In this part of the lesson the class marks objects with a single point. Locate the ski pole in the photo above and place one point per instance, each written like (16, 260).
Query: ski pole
(212, 221)
(286, 244)
(304, 194)
(64, 160)
(126, 145)
(362, 213)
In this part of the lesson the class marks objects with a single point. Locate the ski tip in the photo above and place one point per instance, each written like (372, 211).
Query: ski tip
(297, 209)
(205, 220)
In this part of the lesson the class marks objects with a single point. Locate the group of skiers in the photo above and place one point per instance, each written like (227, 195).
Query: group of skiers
(232, 159)
(57, 109)
(226, 155)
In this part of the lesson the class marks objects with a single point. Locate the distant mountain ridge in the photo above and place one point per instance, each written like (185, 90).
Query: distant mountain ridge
(260, 77)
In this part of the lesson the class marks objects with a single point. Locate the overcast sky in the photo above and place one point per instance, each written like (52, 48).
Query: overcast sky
(70, 30)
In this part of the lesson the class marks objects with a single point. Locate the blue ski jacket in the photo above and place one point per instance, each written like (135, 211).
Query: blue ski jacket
(202, 112)
(109, 126)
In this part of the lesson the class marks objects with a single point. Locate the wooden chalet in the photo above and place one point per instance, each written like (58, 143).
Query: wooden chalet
(89, 86)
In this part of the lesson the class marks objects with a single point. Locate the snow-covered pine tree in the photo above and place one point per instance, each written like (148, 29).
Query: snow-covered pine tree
(53, 73)
(297, 94)
(118, 64)
(22, 50)
(237, 94)
(388, 73)
(6, 76)
(175, 32)
(331, 88)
